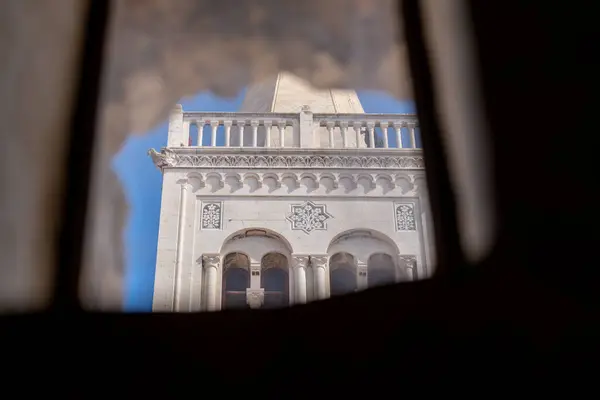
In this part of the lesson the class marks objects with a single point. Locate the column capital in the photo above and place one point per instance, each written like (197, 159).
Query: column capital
(344, 124)
(185, 183)
(281, 124)
(211, 260)
(329, 124)
(227, 123)
(409, 260)
(398, 124)
(267, 124)
(214, 123)
(370, 124)
(300, 260)
(319, 260)
(357, 125)
(254, 124)
(384, 124)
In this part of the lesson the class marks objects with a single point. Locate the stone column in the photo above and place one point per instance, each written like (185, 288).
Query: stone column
(371, 129)
(319, 264)
(227, 125)
(362, 279)
(410, 266)
(411, 130)
(300, 263)
(398, 128)
(344, 132)
(267, 125)
(306, 128)
(281, 126)
(210, 263)
(330, 126)
(183, 195)
(254, 125)
(213, 133)
(175, 135)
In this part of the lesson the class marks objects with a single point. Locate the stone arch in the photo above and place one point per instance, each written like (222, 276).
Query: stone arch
(367, 247)
(342, 273)
(362, 243)
(274, 280)
(236, 279)
(256, 242)
(381, 269)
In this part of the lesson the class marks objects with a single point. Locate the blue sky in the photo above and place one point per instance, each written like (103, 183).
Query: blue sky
(142, 184)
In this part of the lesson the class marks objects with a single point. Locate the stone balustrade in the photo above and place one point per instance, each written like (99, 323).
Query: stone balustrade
(293, 130)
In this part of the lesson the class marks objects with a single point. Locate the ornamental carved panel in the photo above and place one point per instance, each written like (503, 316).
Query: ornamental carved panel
(308, 217)
(405, 217)
(212, 215)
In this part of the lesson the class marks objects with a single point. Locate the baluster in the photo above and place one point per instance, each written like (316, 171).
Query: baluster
(344, 131)
(200, 126)
(241, 125)
(371, 128)
(281, 126)
(384, 130)
(213, 134)
(254, 125)
(329, 126)
(267, 125)
(398, 129)
(413, 142)
(227, 125)
(357, 126)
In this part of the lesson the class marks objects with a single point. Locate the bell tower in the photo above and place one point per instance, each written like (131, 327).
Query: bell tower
(297, 197)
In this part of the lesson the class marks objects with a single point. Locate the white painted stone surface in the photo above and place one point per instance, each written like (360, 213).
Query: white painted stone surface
(305, 201)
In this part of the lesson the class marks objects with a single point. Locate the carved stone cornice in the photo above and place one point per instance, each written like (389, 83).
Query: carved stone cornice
(287, 158)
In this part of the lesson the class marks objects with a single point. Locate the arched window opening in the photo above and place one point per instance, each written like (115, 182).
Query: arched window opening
(342, 274)
(236, 280)
(381, 270)
(274, 280)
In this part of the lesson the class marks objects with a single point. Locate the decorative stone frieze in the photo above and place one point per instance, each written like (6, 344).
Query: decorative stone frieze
(171, 158)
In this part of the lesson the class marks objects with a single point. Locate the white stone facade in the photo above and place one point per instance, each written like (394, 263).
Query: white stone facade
(257, 224)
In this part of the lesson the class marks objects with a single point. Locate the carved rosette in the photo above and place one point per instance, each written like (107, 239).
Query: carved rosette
(308, 217)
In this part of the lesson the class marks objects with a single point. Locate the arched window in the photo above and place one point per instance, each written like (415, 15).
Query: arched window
(274, 280)
(236, 280)
(342, 274)
(381, 270)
